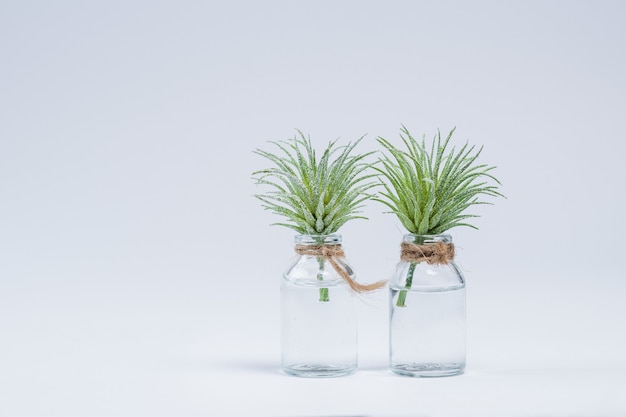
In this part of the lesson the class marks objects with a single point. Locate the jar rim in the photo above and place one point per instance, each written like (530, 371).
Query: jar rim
(330, 239)
(441, 237)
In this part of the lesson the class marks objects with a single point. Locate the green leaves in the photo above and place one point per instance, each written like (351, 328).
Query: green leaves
(429, 190)
(315, 197)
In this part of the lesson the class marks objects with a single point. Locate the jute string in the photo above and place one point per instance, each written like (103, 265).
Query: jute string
(332, 253)
(438, 253)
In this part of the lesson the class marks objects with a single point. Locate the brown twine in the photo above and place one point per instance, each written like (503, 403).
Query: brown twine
(332, 253)
(438, 253)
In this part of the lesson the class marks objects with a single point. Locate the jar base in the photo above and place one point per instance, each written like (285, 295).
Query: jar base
(318, 370)
(428, 370)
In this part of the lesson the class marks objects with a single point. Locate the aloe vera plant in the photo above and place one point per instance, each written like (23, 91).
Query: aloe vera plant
(430, 187)
(315, 196)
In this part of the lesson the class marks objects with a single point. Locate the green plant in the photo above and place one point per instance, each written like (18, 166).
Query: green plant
(430, 188)
(315, 196)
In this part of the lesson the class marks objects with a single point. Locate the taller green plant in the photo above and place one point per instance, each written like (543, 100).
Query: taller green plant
(315, 196)
(429, 188)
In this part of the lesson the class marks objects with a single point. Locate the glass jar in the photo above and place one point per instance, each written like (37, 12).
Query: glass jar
(319, 325)
(427, 312)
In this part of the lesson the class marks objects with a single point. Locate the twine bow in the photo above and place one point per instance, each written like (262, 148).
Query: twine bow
(438, 253)
(333, 254)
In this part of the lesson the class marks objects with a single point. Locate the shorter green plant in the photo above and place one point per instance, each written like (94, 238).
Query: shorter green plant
(429, 188)
(315, 196)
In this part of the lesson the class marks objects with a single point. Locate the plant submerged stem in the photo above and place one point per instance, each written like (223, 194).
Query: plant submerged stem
(409, 282)
(320, 277)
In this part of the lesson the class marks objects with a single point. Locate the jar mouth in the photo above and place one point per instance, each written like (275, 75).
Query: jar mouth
(332, 239)
(422, 239)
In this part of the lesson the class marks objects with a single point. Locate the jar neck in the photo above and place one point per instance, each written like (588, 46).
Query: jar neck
(316, 240)
(425, 239)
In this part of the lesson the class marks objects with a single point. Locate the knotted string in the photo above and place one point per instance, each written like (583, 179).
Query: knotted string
(438, 253)
(333, 254)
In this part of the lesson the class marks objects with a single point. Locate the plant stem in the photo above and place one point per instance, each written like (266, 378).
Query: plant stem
(320, 277)
(409, 282)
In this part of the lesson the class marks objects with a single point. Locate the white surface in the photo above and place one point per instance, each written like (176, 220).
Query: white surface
(139, 278)
(168, 350)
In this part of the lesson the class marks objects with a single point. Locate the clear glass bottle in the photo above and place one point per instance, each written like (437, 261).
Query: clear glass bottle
(427, 316)
(319, 325)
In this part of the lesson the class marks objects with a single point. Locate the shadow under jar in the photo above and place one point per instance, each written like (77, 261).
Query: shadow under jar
(427, 312)
(319, 324)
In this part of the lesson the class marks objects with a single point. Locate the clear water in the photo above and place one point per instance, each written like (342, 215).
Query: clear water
(319, 339)
(427, 336)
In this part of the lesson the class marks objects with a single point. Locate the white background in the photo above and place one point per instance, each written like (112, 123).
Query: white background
(139, 277)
